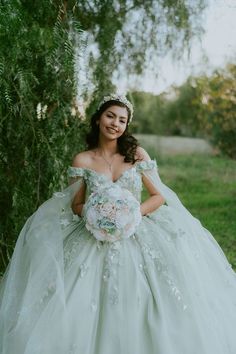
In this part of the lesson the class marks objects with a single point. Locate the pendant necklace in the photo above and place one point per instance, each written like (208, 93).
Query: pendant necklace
(109, 163)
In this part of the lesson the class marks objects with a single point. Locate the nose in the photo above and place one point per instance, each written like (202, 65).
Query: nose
(115, 122)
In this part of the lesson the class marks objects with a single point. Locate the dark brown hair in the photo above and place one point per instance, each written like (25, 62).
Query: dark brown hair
(127, 144)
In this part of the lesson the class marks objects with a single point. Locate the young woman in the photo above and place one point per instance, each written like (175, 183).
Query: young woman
(97, 271)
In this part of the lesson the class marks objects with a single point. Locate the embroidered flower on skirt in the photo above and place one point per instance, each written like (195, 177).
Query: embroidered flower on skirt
(111, 213)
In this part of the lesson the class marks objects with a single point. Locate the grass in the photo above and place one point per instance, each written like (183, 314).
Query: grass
(206, 185)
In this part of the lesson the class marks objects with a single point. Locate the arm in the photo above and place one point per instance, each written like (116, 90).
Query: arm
(79, 199)
(156, 199)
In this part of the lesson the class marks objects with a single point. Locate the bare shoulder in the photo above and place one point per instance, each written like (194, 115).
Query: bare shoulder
(141, 154)
(82, 159)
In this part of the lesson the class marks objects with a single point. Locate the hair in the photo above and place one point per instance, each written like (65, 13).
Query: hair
(127, 144)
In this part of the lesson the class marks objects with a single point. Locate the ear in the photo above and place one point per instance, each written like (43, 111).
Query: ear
(97, 122)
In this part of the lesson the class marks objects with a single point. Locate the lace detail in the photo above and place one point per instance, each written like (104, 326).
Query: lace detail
(153, 257)
(110, 271)
(75, 171)
(163, 218)
(130, 179)
(73, 244)
(146, 165)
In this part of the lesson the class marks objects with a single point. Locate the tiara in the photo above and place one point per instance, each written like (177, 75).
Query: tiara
(120, 98)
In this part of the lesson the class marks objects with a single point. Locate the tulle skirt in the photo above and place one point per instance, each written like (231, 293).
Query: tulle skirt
(165, 290)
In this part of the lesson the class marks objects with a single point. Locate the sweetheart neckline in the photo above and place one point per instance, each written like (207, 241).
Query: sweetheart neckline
(107, 177)
(122, 174)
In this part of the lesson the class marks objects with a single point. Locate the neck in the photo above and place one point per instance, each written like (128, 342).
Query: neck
(109, 148)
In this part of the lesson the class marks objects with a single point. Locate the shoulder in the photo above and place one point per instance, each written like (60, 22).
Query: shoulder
(141, 154)
(82, 159)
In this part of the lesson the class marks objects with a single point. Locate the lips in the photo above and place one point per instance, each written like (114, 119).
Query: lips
(112, 130)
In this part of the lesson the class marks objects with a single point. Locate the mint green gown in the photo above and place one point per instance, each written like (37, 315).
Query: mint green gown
(167, 289)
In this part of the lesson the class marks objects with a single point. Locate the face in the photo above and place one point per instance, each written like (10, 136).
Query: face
(113, 122)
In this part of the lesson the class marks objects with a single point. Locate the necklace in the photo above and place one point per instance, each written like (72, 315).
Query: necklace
(109, 163)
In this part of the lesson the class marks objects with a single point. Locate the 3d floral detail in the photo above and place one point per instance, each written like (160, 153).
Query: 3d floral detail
(110, 214)
(59, 194)
(64, 222)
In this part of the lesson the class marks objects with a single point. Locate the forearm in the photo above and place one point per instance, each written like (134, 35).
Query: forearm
(151, 204)
(77, 208)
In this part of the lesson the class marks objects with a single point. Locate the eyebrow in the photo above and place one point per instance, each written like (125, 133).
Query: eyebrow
(115, 115)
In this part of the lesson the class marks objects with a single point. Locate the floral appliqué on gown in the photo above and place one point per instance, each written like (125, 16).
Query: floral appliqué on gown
(167, 289)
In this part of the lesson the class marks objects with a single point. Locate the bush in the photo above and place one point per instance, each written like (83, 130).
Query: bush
(219, 118)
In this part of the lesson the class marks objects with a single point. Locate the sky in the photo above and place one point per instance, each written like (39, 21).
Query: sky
(218, 46)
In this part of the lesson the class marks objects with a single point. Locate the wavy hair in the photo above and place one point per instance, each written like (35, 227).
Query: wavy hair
(127, 144)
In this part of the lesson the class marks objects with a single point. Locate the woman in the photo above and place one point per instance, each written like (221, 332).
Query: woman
(95, 271)
(112, 151)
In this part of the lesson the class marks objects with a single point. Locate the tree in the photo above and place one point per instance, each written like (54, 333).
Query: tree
(205, 106)
(129, 34)
(219, 107)
(38, 133)
(182, 112)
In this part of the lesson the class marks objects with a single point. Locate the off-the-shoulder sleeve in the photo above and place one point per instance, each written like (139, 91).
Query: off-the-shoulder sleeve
(75, 172)
(146, 165)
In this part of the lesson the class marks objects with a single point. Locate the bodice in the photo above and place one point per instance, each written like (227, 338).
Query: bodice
(130, 179)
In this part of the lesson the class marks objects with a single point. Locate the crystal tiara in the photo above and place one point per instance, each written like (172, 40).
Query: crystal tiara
(120, 98)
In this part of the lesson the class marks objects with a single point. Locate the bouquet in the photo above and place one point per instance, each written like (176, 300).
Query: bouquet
(111, 213)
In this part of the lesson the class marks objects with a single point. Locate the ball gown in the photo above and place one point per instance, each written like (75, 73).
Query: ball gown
(167, 289)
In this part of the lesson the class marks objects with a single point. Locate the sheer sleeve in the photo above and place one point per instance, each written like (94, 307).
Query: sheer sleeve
(171, 198)
(146, 168)
(146, 165)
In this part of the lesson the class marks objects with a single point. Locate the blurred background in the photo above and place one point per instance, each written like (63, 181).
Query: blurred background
(175, 60)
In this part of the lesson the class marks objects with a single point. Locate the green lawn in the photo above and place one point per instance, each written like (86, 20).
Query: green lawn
(207, 187)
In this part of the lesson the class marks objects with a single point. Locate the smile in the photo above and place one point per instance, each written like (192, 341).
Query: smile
(112, 130)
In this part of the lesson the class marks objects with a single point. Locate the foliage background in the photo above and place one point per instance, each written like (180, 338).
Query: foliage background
(203, 106)
(37, 68)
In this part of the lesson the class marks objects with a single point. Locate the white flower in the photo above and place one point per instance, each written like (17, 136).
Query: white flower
(73, 111)
(41, 111)
(44, 110)
(38, 110)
